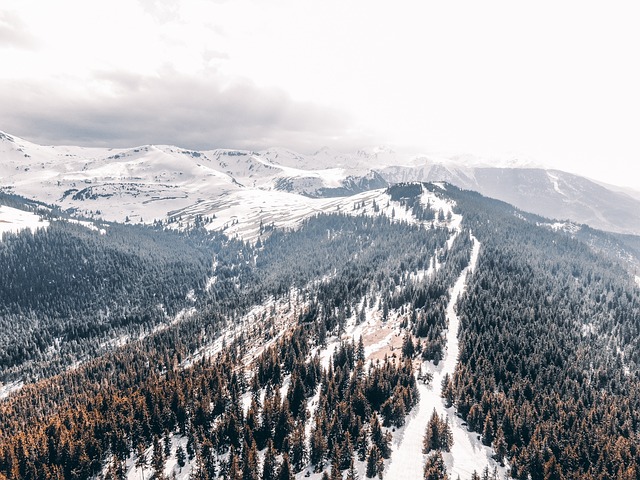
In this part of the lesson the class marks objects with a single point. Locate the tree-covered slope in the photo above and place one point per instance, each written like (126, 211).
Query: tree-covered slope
(548, 369)
(272, 364)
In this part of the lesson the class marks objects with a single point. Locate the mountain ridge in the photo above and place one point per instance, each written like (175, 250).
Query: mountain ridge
(146, 183)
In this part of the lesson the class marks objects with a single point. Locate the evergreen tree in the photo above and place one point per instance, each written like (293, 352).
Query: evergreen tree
(318, 450)
(158, 459)
(249, 462)
(269, 464)
(233, 468)
(285, 472)
(448, 392)
(408, 349)
(375, 462)
(181, 457)
(438, 434)
(298, 450)
(435, 469)
(141, 460)
(352, 474)
(487, 430)
(500, 446)
(380, 439)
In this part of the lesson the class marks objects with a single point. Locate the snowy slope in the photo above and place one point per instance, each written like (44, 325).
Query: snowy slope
(146, 183)
(467, 454)
(14, 220)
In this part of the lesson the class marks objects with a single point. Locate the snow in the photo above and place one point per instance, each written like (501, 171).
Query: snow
(567, 227)
(555, 182)
(90, 225)
(638, 280)
(467, 453)
(9, 388)
(242, 213)
(13, 220)
(171, 465)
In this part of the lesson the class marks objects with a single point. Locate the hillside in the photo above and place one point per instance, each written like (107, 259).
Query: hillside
(393, 333)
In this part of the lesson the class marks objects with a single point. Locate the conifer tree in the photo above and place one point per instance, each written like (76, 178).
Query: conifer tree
(487, 430)
(269, 464)
(141, 460)
(408, 349)
(378, 438)
(375, 462)
(249, 461)
(158, 459)
(285, 472)
(448, 392)
(435, 469)
(500, 446)
(298, 449)
(233, 468)
(352, 474)
(181, 457)
(318, 450)
(438, 435)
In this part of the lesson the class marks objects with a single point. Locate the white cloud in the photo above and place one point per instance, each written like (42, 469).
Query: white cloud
(556, 81)
(126, 110)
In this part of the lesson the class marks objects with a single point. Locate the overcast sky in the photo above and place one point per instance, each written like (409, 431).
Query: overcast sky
(556, 82)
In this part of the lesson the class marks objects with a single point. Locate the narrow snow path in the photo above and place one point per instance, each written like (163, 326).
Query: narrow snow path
(468, 453)
(407, 461)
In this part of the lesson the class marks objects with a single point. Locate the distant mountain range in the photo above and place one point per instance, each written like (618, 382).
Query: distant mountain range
(163, 183)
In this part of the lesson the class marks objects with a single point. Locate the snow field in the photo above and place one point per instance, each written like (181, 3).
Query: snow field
(242, 212)
(13, 220)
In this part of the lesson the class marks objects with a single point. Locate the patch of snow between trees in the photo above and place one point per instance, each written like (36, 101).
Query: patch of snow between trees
(13, 220)
(467, 452)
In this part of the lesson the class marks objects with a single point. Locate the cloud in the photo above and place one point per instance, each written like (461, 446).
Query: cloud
(14, 33)
(124, 109)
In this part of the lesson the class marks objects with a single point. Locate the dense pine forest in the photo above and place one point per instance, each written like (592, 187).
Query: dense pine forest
(146, 345)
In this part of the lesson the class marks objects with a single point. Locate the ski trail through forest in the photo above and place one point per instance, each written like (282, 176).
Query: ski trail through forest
(467, 453)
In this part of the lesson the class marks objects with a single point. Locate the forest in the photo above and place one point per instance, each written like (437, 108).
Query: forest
(547, 372)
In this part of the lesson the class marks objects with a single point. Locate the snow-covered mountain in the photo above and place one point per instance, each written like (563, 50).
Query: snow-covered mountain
(152, 182)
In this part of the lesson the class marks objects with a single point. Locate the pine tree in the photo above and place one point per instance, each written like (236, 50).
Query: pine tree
(374, 460)
(296, 396)
(487, 430)
(318, 445)
(378, 438)
(362, 444)
(346, 449)
(336, 472)
(352, 474)
(298, 449)
(158, 459)
(181, 457)
(141, 461)
(199, 471)
(448, 392)
(438, 435)
(408, 349)
(249, 461)
(117, 469)
(435, 469)
(285, 472)
(500, 446)
(269, 463)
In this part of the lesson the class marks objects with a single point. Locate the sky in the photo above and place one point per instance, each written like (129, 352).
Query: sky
(555, 83)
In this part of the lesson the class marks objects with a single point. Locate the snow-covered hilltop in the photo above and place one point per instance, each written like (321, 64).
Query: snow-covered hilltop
(157, 182)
